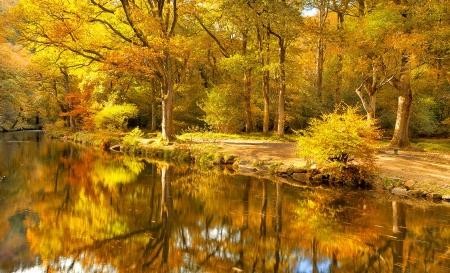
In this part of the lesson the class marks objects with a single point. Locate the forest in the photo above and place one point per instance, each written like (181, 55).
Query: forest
(226, 65)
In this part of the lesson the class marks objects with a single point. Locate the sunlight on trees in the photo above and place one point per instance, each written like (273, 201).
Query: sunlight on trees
(279, 66)
(340, 140)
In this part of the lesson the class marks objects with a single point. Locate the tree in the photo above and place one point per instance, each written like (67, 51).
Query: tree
(281, 20)
(152, 44)
(237, 50)
(333, 142)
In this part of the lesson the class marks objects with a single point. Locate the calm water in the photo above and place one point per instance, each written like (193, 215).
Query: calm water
(68, 208)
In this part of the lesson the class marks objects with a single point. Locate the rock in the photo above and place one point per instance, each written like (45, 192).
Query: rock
(299, 170)
(285, 169)
(316, 179)
(399, 191)
(434, 196)
(302, 177)
(229, 160)
(244, 168)
(409, 184)
(415, 193)
(446, 197)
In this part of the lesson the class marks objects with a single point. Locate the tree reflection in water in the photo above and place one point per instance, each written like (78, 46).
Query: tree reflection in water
(110, 213)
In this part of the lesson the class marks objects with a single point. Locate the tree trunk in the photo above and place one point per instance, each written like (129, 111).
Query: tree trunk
(275, 119)
(153, 106)
(372, 88)
(266, 88)
(405, 97)
(282, 88)
(67, 89)
(264, 47)
(167, 92)
(319, 68)
(247, 88)
(323, 13)
(369, 106)
(339, 65)
(247, 100)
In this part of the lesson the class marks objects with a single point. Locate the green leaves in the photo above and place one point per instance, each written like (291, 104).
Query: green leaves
(337, 141)
(115, 116)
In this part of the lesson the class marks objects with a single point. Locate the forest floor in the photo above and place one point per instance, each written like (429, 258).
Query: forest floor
(425, 167)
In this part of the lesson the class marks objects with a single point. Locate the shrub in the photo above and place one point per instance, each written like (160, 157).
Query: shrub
(115, 116)
(133, 138)
(336, 141)
(222, 109)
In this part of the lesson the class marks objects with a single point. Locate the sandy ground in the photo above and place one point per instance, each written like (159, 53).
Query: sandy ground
(407, 165)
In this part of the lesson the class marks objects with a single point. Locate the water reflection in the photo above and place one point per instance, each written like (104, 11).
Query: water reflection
(67, 208)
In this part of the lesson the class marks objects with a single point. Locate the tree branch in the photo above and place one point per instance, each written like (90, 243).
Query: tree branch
(114, 30)
(223, 50)
(102, 7)
(139, 34)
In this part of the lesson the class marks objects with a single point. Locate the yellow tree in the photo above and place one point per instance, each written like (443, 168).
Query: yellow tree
(127, 36)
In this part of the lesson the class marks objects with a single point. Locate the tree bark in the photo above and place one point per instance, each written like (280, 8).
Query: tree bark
(162, 66)
(372, 86)
(167, 92)
(153, 106)
(369, 105)
(247, 100)
(264, 47)
(319, 67)
(323, 13)
(275, 119)
(247, 87)
(405, 97)
(282, 88)
(67, 89)
(339, 65)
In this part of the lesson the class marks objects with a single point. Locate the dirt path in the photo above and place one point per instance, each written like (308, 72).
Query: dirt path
(407, 165)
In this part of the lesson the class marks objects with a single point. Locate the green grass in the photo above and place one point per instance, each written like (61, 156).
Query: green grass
(432, 144)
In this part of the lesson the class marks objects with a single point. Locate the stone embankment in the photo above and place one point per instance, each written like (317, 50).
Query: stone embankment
(415, 189)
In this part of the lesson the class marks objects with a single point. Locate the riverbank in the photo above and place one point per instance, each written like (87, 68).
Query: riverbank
(424, 172)
(427, 171)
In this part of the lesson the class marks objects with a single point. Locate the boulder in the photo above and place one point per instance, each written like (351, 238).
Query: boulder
(316, 179)
(297, 169)
(415, 193)
(409, 184)
(399, 191)
(285, 169)
(244, 168)
(434, 196)
(301, 177)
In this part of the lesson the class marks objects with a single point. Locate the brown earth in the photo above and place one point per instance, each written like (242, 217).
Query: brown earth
(407, 165)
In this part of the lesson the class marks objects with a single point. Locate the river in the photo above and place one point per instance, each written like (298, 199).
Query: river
(71, 208)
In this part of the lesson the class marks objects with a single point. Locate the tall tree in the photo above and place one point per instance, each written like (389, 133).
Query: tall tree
(115, 33)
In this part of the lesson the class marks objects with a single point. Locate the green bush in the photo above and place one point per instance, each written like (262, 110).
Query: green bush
(115, 116)
(223, 110)
(338, 141)
(133, 138)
